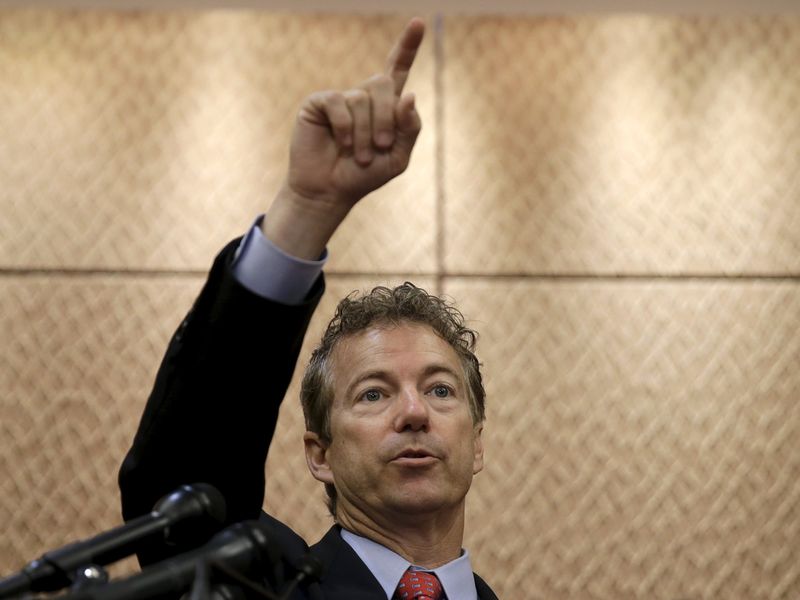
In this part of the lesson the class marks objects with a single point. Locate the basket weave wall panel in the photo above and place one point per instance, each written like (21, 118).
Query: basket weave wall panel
(622, 145)
(642, 439)
(293, 495)
(147, 140)
(78, 355)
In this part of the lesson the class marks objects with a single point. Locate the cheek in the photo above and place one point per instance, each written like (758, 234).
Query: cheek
(353, 443)
(473, 446)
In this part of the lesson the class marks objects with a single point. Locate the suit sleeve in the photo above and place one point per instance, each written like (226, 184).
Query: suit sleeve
(212, 412)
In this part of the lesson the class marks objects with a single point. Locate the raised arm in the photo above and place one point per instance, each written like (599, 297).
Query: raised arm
(213, 409)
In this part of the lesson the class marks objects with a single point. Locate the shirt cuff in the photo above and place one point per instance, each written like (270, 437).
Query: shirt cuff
(266, 270)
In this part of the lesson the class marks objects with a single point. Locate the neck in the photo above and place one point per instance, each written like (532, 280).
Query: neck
(427, 540)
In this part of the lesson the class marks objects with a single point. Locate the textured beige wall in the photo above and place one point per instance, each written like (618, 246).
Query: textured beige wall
(614, 201)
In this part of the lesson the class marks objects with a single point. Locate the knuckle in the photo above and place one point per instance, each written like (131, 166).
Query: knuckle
(379, 81)
(356, 97)
(332, 97)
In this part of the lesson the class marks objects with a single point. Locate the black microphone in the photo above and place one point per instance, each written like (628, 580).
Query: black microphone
(309, 571)
(245, 549)
(191, 510)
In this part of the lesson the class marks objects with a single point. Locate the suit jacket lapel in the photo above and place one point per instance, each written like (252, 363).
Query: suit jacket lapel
(344, 575)
(484, 591)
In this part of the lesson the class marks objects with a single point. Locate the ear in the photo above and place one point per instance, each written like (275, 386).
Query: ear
(477, 444)
(317, 457)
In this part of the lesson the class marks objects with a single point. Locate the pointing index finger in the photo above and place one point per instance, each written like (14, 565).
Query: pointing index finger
(400, 59)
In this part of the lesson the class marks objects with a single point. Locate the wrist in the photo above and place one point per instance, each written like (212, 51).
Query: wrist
(301, 225)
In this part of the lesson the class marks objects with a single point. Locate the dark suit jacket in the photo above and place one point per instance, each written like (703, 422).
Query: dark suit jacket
(212, 414)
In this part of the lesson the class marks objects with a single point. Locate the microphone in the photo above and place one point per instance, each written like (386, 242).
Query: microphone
(240, 549)
(189, 511)
(309, 570)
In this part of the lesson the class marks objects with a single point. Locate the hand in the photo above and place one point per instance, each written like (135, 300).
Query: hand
(346, 144)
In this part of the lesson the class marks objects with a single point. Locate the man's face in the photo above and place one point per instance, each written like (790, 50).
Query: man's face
(402, 436)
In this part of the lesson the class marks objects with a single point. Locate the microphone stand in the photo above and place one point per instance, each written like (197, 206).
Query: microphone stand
(228, 584)
(231, 585)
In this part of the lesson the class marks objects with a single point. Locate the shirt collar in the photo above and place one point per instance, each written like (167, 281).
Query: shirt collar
(388, 567)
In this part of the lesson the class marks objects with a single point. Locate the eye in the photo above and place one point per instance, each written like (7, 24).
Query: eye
(372, 395)
(441, 391)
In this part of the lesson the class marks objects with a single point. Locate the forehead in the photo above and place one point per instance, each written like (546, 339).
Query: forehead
(396, 348)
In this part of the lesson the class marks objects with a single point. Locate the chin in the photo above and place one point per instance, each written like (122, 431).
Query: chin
(419, 502)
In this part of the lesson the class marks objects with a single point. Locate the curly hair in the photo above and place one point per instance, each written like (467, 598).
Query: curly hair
(405, 303)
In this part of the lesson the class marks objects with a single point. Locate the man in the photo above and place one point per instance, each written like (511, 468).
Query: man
(393, 396)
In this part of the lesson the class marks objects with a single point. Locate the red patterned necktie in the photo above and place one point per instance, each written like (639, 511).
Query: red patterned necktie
(418, 585)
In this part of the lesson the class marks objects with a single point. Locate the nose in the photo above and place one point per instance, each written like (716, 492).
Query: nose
(412, 412)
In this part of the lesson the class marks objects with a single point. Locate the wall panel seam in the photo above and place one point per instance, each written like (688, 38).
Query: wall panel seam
(439, 161)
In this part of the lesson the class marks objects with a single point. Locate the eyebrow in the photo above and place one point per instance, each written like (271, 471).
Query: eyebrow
(439, 368)
(385, 375)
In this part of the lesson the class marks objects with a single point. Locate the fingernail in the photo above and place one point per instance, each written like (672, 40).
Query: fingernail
(347, 140)
(364, 156)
